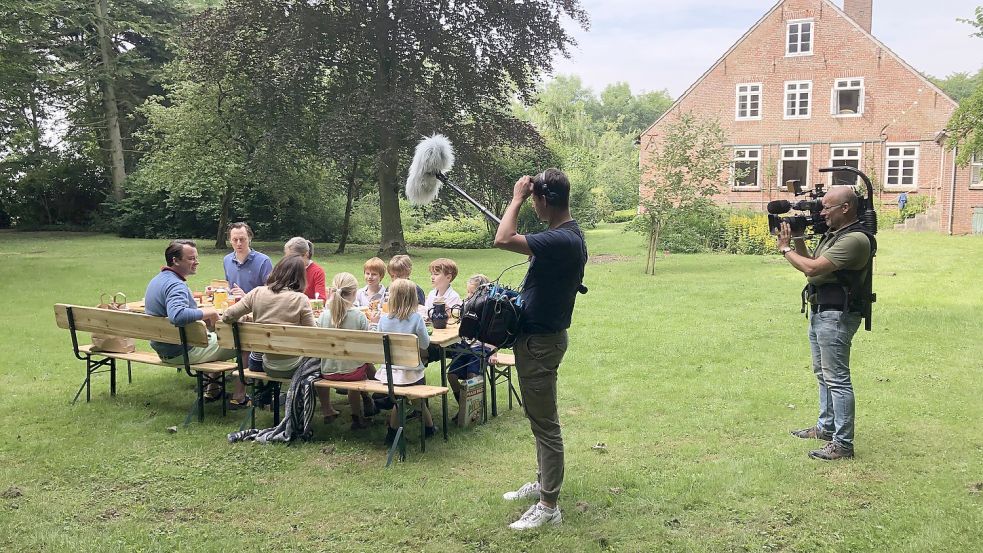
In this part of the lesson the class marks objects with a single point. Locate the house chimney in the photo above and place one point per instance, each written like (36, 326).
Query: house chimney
(859, 11)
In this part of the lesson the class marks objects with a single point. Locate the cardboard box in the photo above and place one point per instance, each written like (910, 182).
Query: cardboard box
(472, 402)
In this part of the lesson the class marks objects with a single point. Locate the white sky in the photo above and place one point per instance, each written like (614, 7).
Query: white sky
(668, 44)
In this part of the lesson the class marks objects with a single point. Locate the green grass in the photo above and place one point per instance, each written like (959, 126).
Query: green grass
(692, 378)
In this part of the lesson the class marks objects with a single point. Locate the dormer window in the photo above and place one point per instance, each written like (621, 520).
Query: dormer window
(798, 37)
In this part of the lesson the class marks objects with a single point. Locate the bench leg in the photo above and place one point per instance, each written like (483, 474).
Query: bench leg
(199, 404)
(423, 428)
(112, 377)
(129, 372)
(276, 402)
(494, 393)
(513, 391)
(443, 382)
(91, 368)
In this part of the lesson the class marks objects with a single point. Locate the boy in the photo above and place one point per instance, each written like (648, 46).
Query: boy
(443, 271)
(374, 269)
(400, 266)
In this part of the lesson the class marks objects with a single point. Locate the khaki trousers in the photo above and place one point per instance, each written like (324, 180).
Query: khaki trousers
(537, 360)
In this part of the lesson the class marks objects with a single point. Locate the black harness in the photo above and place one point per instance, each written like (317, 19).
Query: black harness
(854, 289)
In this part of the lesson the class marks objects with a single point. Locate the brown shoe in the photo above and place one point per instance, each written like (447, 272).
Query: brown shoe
(832, 452)
(359, 423)
(813, 433)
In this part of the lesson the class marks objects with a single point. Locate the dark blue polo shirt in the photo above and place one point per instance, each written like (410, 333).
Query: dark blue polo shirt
(555, 272)
(250, 273)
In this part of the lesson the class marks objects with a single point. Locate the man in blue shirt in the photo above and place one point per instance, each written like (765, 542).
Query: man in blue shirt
(245, 268)
(556, 272)
(168, 295)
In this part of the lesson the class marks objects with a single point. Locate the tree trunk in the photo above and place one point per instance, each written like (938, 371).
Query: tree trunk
(111, 110)
(346, 224)
(392, 242)
(223, 218)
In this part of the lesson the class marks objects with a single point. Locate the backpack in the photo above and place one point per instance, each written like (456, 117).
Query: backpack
(492, 315)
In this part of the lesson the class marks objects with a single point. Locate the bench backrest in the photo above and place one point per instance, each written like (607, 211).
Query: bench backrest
(131, 325)
(326, 343)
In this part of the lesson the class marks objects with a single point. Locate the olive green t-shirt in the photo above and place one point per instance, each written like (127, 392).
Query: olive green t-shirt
(851, 251)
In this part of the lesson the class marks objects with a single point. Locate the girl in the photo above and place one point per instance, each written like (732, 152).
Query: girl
(341, 313)
(403, 318)
(281, 301)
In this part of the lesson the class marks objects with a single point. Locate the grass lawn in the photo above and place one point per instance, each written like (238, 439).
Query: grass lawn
(692, 378)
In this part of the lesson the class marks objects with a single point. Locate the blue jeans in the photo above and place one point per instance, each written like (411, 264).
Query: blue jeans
(830, 336)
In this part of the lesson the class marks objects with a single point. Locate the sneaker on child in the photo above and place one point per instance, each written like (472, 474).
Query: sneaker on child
(537, 516)
(529, 489)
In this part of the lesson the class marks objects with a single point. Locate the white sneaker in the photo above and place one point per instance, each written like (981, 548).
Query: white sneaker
(536, 516)
(529, 489)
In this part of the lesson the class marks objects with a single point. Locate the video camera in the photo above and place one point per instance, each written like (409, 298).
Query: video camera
(814, 206)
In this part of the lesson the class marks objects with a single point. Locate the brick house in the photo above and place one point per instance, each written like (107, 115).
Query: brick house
(808, 86)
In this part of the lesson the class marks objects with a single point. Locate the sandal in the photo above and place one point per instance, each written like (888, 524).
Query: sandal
(235, 404)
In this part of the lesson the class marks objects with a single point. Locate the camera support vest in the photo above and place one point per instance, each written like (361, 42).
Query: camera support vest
(855, 285)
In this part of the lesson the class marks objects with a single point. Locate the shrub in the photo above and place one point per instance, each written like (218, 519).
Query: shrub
(916, 204)
(429, 238)
(621, 216)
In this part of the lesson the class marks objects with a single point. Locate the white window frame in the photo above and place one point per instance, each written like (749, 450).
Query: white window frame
(797, 93)
(845, 156)
(834, 100)
(976, 165)
(782, 159)
(788, 35)
(733, 168)
(901, 158)
(749, 94)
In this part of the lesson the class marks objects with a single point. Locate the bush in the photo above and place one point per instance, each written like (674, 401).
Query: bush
(429, 238)
(916, 204)
(696, 230)
(747, 233)
(621, 216)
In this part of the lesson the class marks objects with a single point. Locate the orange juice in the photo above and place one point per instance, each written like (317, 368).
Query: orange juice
(221, 298)
(385, 307)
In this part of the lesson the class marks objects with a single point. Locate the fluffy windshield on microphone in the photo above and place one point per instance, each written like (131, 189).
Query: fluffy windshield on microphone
(433, 155)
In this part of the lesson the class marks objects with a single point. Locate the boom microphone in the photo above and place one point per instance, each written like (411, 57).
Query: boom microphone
(434, 155)
(432, 159)
(777, 207)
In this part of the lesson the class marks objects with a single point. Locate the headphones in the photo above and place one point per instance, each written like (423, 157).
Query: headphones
(540, 188)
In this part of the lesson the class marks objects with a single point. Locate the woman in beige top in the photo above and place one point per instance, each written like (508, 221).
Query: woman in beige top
(281, 301)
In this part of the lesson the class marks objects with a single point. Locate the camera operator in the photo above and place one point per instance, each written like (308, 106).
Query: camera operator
(836, 272)
(556, 272)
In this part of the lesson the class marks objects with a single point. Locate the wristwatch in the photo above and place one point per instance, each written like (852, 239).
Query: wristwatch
(785, 250)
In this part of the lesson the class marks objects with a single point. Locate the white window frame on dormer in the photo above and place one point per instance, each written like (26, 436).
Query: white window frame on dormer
(749, 94)
(903, 155)
(846, 84)
(844, 152)
(799, 90)
(746, 154)
(797, 23)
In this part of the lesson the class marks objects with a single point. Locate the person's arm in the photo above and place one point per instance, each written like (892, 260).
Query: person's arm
(239, 309)
(507, 236)
(421, 333)
(319, 285)
(176, 303)
(799, 258)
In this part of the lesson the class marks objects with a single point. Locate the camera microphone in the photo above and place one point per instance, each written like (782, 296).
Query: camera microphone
(777, 207)
(433, 158)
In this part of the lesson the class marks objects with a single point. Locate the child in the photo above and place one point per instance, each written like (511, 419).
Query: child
(400, 266)
(467, 365)
(402, 317)
(443, 271)
(374, 270)
(341, 313)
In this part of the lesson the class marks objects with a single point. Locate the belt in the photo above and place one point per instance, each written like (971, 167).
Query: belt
(820, 307)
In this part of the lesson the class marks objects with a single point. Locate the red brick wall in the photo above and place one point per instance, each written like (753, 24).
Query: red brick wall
(899, 107)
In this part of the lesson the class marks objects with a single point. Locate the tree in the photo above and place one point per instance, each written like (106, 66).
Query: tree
(959, 86)
(965, 128)
(687, 167)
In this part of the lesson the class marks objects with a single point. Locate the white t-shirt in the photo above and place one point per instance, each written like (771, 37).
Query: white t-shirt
(451, 299)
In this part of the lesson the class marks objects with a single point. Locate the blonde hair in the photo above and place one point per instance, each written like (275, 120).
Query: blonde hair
(478, 280)
(344, 286)
(375, 265)
(402, 299)
(400, 266)
(444, 266)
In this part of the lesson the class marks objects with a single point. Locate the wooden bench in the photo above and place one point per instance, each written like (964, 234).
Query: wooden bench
(500, 370)
(385, 350)
(78, 318)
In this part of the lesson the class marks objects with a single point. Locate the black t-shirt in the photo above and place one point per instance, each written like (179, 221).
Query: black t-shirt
(556, 270)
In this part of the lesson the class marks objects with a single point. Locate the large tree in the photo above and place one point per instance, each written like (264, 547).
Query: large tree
(965, 128)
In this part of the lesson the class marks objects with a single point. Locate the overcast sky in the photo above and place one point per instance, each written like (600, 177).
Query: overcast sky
(668, 44)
